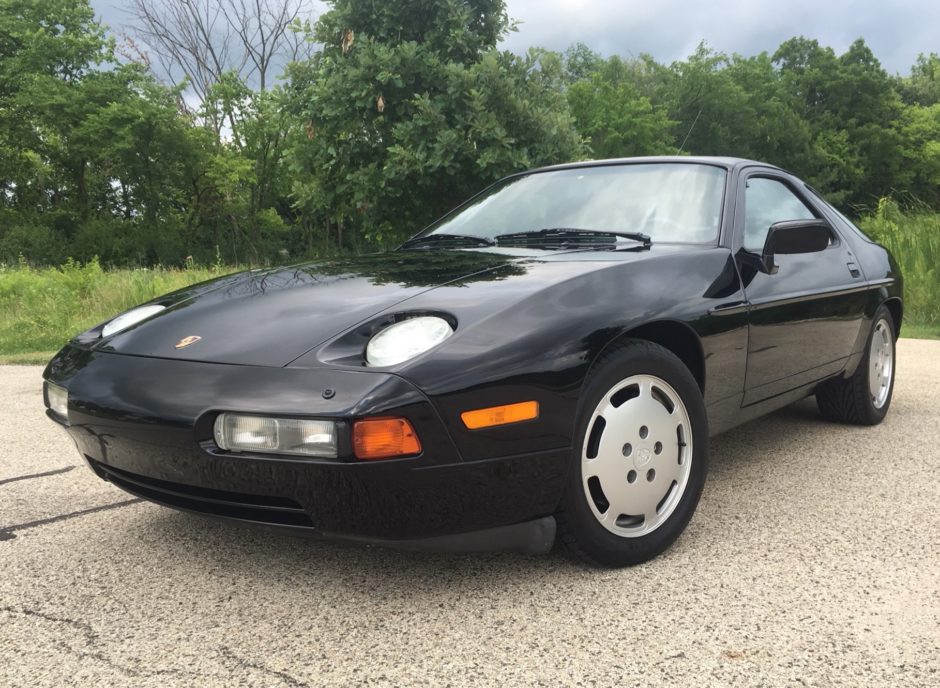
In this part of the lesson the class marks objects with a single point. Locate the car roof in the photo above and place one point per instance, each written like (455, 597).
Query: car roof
(719, 161)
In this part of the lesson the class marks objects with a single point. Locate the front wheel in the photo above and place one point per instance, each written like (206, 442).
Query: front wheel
(640, 459)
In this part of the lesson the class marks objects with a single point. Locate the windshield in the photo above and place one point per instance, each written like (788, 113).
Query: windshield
(670, 202)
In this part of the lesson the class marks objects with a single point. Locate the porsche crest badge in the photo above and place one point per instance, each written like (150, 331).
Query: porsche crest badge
(186, 341)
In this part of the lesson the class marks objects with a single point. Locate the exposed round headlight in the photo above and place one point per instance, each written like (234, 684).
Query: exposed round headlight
(406, 339)
(131, 317)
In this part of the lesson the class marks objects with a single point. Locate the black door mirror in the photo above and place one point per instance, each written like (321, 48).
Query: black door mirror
(794, 236)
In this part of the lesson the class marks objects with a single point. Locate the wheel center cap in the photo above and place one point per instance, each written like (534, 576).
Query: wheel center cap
(642, 458)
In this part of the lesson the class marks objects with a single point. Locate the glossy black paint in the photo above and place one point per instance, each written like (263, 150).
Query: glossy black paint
(270, 317)
(529, 325)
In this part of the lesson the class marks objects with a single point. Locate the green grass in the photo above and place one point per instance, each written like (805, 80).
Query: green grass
(42, 308)
(914, 240)
(916, 331)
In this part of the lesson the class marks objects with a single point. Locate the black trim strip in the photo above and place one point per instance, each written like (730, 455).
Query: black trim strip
(729, 309)
(798, 297)
(732, 309)
(883, 282)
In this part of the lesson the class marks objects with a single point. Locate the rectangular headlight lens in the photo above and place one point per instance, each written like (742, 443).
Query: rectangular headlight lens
(58, 400)
(294, 436)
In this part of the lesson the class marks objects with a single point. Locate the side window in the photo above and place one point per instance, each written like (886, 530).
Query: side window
(767, 201)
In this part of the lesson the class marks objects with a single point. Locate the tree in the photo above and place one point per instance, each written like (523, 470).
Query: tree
(919, 133)
(409, 108)
(852, 109)
(610, 111)
(230, 53)
(922, 87)
(45, 47)
(581, 62)
(202, 40)
(95, 158)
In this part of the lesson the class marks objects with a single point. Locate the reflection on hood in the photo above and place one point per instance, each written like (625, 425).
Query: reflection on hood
(270, 317)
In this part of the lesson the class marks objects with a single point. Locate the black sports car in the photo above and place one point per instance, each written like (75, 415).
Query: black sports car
(552, 355)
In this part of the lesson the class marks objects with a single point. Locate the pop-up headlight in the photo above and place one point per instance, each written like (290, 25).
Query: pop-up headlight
(406, 339)
(131, 317)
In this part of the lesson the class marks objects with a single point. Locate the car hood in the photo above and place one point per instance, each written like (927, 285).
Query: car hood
(271, 317)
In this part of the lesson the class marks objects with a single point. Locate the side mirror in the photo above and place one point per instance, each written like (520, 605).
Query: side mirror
(794, 236)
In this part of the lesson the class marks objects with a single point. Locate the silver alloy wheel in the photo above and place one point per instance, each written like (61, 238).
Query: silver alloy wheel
(637, 455)
(880, 363)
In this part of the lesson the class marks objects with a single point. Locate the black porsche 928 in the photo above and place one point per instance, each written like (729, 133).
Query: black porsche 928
(547, 360)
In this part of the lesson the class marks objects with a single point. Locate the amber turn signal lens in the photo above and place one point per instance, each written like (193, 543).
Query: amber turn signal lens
(500, 415)
(384, 438)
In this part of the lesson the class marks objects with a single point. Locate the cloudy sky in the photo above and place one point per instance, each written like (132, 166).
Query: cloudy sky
(670, 29)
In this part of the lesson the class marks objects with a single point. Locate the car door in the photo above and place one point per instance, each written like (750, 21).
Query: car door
(804, 319)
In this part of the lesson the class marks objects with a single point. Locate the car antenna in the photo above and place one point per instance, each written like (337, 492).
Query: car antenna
(689, 133)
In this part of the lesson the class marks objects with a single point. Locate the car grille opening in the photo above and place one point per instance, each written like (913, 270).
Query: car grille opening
(264, 509)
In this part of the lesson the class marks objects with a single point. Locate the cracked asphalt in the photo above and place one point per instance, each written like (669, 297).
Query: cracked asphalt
(813, 559)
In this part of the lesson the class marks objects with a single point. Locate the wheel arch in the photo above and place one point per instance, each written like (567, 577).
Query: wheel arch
(673, 335)
(896, 308)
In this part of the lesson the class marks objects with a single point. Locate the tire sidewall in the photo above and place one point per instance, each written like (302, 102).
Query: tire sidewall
(876, 415)
(635, 358)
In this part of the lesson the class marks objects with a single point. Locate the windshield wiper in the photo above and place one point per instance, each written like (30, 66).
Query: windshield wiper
(552, 238)
(429, 240)
(564, 237)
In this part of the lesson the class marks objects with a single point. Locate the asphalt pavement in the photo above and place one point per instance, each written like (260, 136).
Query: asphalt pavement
(813, 559)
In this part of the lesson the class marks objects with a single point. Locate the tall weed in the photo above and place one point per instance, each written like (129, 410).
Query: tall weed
(41, 308)
(914, 240)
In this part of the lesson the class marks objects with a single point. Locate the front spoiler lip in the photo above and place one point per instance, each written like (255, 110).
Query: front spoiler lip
(533, 537)
(529, 537)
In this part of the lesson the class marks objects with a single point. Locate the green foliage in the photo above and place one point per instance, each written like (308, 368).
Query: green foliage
(98, 159)
(914, 240)
(41, 308)
(409, 108)
(851, 107)
(838, 120)
(919, 134)
(922, 87)
(609, 109)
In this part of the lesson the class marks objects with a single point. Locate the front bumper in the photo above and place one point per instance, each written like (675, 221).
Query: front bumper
(145, 424)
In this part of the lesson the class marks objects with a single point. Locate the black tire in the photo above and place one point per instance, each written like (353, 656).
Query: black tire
(849, 400)
(579, 529)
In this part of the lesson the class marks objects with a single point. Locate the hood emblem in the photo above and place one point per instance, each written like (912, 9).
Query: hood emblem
(186, 341)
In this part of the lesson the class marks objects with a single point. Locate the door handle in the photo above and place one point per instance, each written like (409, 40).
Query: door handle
(853, 270)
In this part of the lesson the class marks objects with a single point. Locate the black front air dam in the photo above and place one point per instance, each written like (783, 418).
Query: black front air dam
(149, 422)
(284, 515)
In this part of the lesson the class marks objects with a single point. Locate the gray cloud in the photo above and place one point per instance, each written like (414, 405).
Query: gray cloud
(670, 29)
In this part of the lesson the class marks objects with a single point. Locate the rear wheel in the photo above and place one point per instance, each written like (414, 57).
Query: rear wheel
(640, 457)
(864, 398)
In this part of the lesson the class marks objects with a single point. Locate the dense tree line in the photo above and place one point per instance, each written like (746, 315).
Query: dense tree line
(283, 137)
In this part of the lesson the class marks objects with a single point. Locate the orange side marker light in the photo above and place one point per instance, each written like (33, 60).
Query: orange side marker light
(500, 415)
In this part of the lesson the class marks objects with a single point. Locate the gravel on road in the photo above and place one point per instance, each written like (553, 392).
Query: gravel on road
(813, 559)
